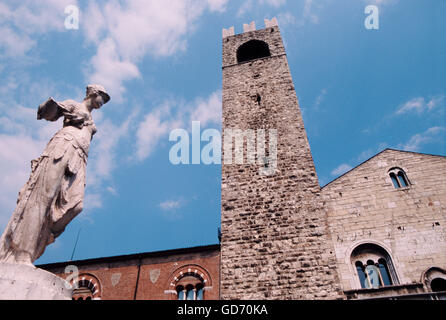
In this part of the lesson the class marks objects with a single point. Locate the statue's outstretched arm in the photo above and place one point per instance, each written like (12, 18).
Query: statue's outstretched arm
(50, 110)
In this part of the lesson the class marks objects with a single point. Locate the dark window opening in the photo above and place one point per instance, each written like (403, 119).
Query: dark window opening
(402, 180)
(361, 274)
(399, 178)
(396, 184)
(384, 271)
(252, 50)
(438, 285)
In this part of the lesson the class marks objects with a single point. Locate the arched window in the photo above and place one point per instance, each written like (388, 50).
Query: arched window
(252, 50)
(189, 283)
(373, 266)
(435, 279)
(399, 178)
(86, 288)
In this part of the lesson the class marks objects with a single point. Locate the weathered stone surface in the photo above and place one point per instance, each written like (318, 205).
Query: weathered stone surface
(275, 238)
(26, 282)
(363, 206)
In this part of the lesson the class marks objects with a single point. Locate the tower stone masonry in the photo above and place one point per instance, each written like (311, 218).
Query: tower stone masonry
(275, 238)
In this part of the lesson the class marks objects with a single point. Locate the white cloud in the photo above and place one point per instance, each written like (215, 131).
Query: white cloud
(432, 135)
(363, 156)
(156, 125)
(112, 191)
(110, 71)
(286, 19)
(170, 205)
(217, 5)
(420, 105)
(343, 168)
(380, 2)
(435, 102)
(13, 44)
(208, 110)
(320, 98)
(170, 209)
(21, 21)
(248, 5)
(15, 168)
(174, 115)
(124, 32)
(103, 155)
(308, 14)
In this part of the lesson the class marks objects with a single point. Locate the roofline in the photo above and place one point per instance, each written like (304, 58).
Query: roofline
(144, 255)
(387, 149)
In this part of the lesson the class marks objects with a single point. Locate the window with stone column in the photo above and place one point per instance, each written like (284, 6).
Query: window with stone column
(374, 267)
(189, 283)
(190, 288)
(86, 287)
(399, 178)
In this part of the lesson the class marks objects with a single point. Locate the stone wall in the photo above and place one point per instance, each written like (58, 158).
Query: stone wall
(275, 241)
(409, 223)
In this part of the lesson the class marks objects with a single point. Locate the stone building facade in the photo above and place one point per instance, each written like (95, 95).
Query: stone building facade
(377, 232)
(391, 207)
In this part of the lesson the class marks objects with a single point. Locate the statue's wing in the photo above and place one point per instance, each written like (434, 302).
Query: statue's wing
(50, 110)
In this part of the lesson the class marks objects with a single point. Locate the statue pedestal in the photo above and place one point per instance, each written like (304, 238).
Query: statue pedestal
(26, 282)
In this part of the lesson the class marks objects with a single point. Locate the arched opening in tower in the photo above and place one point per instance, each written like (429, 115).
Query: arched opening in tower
(252, 50)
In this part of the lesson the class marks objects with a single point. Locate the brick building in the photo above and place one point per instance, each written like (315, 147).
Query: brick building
(378, 231)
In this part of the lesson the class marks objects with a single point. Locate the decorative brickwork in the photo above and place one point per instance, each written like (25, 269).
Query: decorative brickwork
(147, 276)
(275, 240)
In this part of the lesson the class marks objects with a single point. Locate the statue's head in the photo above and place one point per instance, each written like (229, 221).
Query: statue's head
(98, 95)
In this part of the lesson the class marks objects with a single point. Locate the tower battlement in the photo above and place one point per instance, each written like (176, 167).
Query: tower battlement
(250, 27)
(270, 37)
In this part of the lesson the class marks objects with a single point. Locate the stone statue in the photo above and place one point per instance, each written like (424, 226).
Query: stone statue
(54, 193)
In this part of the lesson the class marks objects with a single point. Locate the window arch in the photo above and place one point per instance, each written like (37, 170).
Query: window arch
(87, 287)
(374, 266)
(399, 178)
(190, 283)
(435, 279)
(252, 50)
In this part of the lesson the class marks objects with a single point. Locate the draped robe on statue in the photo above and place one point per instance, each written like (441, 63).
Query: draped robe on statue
(53, 195)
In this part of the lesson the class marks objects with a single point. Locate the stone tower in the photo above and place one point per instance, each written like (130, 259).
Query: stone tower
(275, 241)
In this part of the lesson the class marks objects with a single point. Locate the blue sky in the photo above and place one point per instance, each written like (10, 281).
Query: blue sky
(360, 91)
